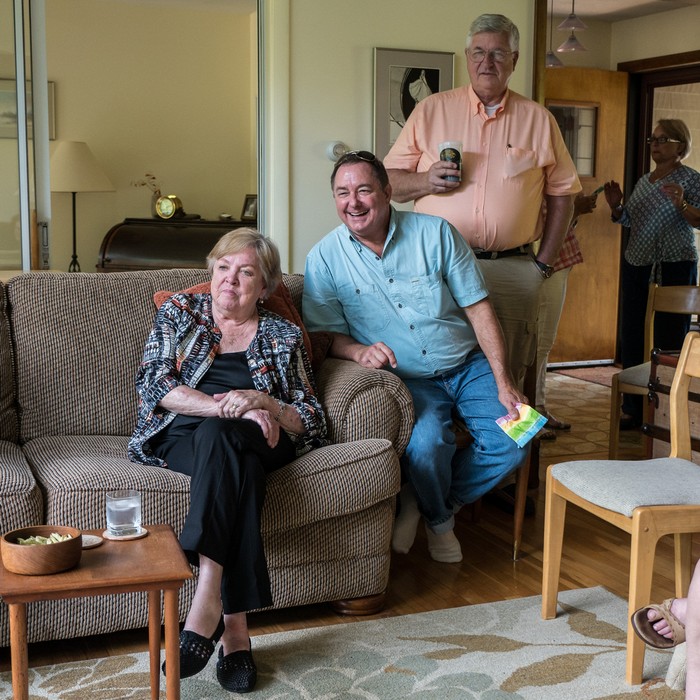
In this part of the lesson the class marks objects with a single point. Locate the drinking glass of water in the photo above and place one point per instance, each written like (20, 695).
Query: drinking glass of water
(123, 512)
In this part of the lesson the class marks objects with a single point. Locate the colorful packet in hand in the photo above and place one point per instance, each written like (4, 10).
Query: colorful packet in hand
(523, 428)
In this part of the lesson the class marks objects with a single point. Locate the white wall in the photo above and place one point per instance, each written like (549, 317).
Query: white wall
(655, 35)
(332, 73)
(165, 89)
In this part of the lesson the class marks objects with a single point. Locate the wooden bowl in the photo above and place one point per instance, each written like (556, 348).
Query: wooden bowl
(35, 560)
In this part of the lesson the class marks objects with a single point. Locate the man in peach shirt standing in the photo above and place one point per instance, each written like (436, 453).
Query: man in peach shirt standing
(513, 159)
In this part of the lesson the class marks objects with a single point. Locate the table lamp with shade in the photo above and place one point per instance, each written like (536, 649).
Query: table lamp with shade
(73, 168)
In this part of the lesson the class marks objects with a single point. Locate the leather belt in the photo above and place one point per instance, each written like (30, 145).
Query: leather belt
(495, 254)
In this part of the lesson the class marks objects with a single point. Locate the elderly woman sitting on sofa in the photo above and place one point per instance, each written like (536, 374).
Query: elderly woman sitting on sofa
(226, 396)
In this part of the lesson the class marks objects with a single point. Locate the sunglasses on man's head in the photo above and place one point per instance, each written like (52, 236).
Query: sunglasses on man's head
(360, 155)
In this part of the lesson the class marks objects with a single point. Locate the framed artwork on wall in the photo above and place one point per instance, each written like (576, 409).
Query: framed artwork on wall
(578, 123)
(8, 109)
(250, 208)
(401, 80)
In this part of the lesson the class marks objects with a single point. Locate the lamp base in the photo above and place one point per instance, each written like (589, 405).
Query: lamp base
(74, 264)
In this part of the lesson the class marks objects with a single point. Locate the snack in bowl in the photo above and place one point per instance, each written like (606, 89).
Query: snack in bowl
(42, 554)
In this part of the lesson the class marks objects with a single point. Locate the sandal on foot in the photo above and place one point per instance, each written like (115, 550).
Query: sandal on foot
(554, 423)
(196, 650)
(547, 434)
(236, 672)
(643, 626)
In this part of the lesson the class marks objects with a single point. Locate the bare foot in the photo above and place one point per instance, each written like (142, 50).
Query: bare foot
(678, 608)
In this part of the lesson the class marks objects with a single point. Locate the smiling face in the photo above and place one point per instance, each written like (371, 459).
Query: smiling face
(237, 284)
(362, 205)
(489, 78)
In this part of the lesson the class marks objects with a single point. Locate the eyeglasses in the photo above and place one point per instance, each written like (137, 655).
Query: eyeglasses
(366, 156)
(496, 55)
(661, 140)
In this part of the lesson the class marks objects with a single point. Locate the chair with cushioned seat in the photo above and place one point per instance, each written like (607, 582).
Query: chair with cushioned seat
(646, 498)
(635, 380)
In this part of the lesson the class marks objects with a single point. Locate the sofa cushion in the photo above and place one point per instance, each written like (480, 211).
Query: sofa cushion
(64, 326)
(75, 473)
(21, 503)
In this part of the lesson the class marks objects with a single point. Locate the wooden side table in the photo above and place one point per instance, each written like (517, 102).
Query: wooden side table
(154, 563)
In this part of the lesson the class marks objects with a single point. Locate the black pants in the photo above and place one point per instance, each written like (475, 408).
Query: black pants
(227, 460)
(669, 329)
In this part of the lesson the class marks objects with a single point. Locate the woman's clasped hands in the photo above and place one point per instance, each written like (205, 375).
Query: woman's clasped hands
(249, 404)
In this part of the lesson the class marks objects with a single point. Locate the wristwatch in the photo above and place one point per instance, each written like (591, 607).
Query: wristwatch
(546, 270)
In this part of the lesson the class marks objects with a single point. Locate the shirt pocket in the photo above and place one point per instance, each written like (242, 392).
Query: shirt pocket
(365, 306)
(427, 292)
(519, 161)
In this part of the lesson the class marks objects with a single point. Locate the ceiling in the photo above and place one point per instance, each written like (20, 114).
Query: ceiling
(616, 10)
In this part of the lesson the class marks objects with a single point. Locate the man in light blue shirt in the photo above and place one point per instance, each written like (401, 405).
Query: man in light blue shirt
(402, 291)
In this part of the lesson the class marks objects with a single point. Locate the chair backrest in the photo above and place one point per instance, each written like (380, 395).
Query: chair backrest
(687, 369)
(672, 299)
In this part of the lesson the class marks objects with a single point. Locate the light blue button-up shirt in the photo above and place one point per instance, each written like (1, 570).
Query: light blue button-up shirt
(411, 298)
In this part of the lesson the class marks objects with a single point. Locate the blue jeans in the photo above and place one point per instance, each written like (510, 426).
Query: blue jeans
(443, 477)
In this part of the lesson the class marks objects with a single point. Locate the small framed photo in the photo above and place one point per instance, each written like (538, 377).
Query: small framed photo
(401, 80)
(250, 208)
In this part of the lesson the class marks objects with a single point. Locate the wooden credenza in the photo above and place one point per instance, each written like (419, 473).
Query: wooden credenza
(155, 244)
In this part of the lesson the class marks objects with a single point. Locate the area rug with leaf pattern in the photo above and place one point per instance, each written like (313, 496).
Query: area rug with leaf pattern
(492, 651)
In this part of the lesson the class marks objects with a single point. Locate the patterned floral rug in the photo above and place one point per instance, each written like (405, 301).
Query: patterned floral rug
(495, 651)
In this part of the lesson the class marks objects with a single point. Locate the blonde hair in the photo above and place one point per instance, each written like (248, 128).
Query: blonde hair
(243, 238)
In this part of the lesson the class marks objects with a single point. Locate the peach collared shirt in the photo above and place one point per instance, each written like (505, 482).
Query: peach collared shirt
(509, 162)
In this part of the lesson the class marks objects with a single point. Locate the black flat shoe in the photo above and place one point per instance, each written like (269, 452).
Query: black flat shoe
(236, 671)
(196, 650)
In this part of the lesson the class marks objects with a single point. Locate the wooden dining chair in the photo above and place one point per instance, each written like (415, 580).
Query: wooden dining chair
(635, 380)
(646, 498)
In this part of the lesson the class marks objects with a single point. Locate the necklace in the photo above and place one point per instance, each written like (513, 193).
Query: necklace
(655, 176)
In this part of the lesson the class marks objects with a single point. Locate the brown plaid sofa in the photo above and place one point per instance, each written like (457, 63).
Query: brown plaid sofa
(69, 348)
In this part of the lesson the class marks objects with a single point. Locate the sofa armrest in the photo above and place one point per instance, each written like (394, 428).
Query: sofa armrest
(365, 403)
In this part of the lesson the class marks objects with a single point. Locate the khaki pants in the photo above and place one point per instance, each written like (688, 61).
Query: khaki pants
(514, 290)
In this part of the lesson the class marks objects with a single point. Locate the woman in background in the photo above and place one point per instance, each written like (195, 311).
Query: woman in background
(661, 213)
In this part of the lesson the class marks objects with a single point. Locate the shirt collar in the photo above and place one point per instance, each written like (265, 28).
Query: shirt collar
(477, 106)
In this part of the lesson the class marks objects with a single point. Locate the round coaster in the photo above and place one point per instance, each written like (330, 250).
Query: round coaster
(90, 541)
(136, 536)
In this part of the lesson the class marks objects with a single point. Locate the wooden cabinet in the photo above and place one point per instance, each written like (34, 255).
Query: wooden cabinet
(154, 244)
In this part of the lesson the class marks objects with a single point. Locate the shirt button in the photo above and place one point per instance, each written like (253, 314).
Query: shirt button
(423, 352)
(401, 306)
(412, 327)
(391, 280)
(357, 291)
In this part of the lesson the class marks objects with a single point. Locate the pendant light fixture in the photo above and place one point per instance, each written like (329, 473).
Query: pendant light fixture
(551, 60)
(572, 21)
(572, 44)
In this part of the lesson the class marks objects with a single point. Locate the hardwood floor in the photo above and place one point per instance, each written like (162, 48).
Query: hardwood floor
(594, 552)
